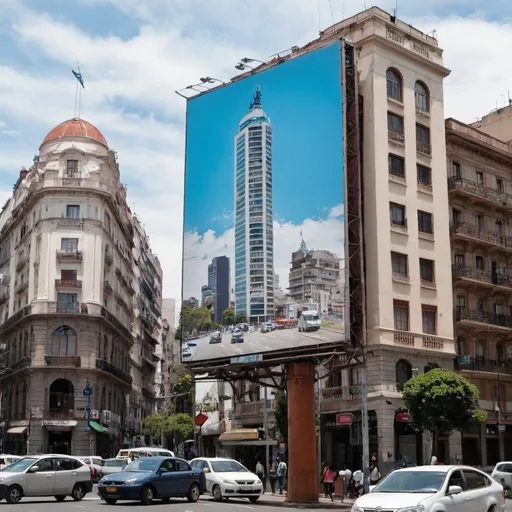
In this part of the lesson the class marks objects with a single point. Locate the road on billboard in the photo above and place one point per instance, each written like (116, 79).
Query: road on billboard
(256, 342)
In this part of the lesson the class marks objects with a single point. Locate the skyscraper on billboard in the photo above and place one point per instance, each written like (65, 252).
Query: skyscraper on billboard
(254, 239)
(219, 286)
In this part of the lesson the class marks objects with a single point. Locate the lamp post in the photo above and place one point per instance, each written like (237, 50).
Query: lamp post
(210, 80)
(247, 60)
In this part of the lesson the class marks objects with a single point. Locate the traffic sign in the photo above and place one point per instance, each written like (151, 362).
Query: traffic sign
(87, 391)
(200, 419)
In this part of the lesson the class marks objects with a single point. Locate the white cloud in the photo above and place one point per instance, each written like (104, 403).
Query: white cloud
(327, 234)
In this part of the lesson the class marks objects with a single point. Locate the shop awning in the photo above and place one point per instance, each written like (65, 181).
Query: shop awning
(241, 434)
(96, 426)
(17, 430)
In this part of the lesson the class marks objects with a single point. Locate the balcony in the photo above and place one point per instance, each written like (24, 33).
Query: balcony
(396, 137)
(414, 340)
(20, 288)
(108, 260)
(148, 392)
(475, 364)
(425, 149)
(21, 263)
(69, 256)
(331, 397)
(68, 283)
(467, 232)
(69, 308)
(117, 324)
(400, 227)
(67, 361)
(105, 366)
(479, 192)
(485, 277)
(107, 288)
(469, 316)
(148, 361)
(60, 414)
(252, 412)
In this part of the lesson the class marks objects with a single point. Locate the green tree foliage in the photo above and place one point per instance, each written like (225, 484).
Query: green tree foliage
(193, 320)
(281, 417)
(241, 318)
(228, 316)
(207, 404)
(442, 401)
(177, 426)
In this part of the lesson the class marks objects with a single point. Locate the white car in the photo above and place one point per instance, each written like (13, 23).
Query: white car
(45, 475)
(227, 478)
(434, 489)
(502, 473)
(6, 460)
(111, 466)
(96, 464)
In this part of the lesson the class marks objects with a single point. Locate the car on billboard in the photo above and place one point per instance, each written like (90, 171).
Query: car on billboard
(309, 321)
(237, 336)
(215, 337)
(266, 327)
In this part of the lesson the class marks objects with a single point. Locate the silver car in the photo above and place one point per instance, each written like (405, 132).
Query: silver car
(111, 466)
(45, 475)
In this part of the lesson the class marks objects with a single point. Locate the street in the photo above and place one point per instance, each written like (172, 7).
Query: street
(256, 342)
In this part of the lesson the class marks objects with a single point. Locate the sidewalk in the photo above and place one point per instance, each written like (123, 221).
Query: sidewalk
(278, 500)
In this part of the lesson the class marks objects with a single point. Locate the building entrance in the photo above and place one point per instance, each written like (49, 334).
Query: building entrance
(59, 442)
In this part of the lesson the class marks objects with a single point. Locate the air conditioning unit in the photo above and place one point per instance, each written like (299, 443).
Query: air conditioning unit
(95, 414)
(106, 417)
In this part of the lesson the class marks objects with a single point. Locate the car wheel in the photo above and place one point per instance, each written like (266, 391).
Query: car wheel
(110, 501)
(254, 499)
(60, 498)
(146, 496)
(193, 493)
(78, 492)
(217, 493)
(14, 494)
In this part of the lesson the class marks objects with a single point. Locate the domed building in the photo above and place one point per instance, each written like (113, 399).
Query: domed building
(77, 367)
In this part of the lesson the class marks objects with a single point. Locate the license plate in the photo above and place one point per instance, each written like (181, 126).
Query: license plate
(246, 489)
(111, 489)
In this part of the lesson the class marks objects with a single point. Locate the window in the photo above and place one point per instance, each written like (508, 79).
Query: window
(499, 309)
(403, 373)
(427, 270)
(181, 465)
(421, 96)
(456, 170)
(499, 185)
(396, 165)
(424, 175)
(107, 222)
(72, 169)
(67, 303)
(456, 214)
(429, 319)
(68, 277)
(460, 301)
(479, 262)
(499, 227)
(394, 84)
(475, 480)
(397, 214)
(422, 139)
(69, 244)
(480, 177)
(425, 222)
(399, 264)
(479, 221)
(395, 123)
(72, 211)
(457, 479)
(401, 315)
(459, 260)
(63, 341)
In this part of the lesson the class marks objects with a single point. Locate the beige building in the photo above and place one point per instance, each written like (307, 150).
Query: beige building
(67, 299)
(480, 193)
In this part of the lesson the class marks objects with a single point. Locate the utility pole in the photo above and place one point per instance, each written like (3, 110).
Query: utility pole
(319, 424)
(364, 423)
(265, 427)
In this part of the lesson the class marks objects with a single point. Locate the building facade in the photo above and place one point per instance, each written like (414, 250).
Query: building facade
(254, 238)
(479, 183)
(219, 285)
(67, 299)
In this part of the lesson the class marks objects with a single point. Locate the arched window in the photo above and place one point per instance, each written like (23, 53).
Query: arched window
(500, 352)
(62, 395)
(394, 84)
(64, 341)
(403, 373)
(421, 97)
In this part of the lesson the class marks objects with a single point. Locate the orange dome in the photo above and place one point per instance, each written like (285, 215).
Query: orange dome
(76, 128)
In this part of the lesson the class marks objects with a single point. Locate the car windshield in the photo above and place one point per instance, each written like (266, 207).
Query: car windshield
(227, 466)
(146, 465)
(310, 317)
(412, 482)
(19, 466)
(115, 463)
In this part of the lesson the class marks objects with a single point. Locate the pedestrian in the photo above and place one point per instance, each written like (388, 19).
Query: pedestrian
(433, 460)
(281, 474)
(375, 475)
(260, 473)
(358, 478)
(328, 476)
(272, 476)
(349, 484)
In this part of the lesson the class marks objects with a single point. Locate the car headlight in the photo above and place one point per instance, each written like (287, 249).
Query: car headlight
(229, 482)
(131, 481)
(258, 481)
(356, 508)
(415, 508)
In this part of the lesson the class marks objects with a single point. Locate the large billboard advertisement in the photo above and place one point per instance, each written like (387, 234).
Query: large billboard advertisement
(264, 233)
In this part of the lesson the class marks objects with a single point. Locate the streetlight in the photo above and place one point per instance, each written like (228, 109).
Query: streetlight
(191, 87)
(247, 60)
(243, 67)
(210, 80)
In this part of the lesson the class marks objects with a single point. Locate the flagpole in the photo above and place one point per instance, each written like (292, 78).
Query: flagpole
(76, 97)
(79, 91)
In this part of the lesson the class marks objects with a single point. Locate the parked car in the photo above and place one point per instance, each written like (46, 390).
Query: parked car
(237, 336)
(435, 488)
(111, 466)
(145, 451)
(186, 352)
(502, 473)
(216, 337)
(45, 475)
(192, 343)
(266, 327)
(6, 460)
(151, 478)
(309, 321)
(96, 464)
(227, 478)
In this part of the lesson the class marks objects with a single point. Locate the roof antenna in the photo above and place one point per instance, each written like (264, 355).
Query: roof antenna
(509, 99)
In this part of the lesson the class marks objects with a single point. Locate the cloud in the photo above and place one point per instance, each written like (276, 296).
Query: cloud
(199, 250)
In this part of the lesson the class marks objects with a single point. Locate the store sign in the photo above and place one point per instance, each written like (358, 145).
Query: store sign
(59, 423)
(403, 417)
(344, 419)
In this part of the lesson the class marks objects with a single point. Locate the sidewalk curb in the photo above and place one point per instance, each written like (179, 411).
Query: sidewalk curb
(314, 505)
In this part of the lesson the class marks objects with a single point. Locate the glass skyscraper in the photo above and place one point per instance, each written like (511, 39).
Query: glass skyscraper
(254, 238)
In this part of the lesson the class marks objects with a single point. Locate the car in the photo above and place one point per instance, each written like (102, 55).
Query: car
(96, 464)
(266, 327)
(215, 337)
(433, 489)
(227, 478)
(186, 352)
(502, 473)
(6, 460)
(111, 466)
(151, 478)
(192, 343)
(145, 451)
(45, 475)
(237, 336)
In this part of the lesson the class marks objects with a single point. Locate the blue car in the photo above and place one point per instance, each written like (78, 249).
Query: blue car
(150, 478)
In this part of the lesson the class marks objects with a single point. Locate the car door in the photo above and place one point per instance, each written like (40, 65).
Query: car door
(455, 502)
(166, 479)
(42, 481)
(478, 492)
(65, 475)
(184, 476)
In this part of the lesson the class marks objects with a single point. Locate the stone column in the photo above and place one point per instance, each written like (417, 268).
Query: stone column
(303, 479)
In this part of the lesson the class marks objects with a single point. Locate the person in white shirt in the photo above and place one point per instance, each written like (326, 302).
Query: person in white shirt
(281, 474)
(260, 472)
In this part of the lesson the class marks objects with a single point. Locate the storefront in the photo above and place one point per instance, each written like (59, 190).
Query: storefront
(59, 435)
(103, 442)
(408, 442)
(16, 437)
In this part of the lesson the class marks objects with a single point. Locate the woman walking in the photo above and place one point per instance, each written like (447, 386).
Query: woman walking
(328, 476)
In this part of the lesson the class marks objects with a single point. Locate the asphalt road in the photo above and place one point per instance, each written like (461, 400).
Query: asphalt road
(256, 342)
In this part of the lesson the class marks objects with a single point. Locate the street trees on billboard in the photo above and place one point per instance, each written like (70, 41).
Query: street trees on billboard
(441, 401)
(193, 319)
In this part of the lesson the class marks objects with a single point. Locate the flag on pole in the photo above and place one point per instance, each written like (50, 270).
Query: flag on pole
(78, 76)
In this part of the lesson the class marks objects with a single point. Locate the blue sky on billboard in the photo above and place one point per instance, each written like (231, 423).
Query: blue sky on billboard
(303, 100)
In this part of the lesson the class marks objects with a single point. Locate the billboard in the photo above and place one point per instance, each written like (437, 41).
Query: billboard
(264, 230)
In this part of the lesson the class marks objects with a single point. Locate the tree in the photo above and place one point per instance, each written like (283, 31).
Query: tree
(441, 401)
(228, 316)
(179, 427)
(207, 404)
(281, 417)
(152, 426)
(241, 318)
(193, 320)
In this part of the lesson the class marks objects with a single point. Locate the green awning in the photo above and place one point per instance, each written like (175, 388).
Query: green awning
(96, 426)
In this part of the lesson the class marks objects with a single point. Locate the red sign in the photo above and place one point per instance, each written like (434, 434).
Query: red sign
(344, 419)
(403, 417)
(200, 419)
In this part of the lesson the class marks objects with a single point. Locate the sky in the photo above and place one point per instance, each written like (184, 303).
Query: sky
(135, 53)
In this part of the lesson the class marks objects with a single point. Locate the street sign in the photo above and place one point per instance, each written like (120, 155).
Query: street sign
(87, 409)
(87, 391)
(344, 419)
(502, 428)
(403, 417)
(200, 419)
(251, 358)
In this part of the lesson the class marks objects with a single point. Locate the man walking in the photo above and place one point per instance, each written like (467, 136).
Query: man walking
(281, 475)
(260, 472)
